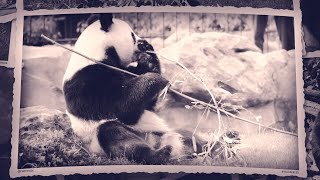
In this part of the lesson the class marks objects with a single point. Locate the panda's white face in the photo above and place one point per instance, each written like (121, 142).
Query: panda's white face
(123, 39)
(119, 35)
(93, 42)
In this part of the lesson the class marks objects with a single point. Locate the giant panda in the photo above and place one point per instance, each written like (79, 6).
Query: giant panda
(110, 111)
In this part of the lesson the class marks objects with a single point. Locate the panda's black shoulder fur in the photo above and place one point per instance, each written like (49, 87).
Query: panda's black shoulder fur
(96, 92)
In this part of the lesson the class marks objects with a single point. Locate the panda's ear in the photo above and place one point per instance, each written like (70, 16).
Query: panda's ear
(106, 21)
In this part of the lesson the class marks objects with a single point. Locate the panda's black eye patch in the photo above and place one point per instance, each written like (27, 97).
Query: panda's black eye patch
(133, 37)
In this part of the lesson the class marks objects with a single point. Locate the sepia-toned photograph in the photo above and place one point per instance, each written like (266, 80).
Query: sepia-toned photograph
(7, 7)
(311, 27)
(311, 76)
(32, 5)
(7, 41)
(5, 33)
(176, 89)
(6, 97)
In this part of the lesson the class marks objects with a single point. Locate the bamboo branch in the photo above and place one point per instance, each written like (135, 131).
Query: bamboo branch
(91, 59)
(216, 108)
(201, 81)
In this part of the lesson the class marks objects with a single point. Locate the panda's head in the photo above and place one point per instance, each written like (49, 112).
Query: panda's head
(116, 35)
(106, 39)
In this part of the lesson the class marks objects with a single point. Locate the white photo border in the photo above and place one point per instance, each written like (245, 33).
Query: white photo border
(296, 13)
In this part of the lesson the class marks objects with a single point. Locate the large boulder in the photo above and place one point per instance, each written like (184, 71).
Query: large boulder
(42, 75)
(232, 67)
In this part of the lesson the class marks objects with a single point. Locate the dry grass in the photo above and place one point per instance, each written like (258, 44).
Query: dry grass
(47, 140)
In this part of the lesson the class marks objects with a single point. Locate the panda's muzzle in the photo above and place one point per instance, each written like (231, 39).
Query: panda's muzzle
(144, 46)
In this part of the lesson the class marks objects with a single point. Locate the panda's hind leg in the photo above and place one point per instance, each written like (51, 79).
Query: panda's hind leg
(119, 140)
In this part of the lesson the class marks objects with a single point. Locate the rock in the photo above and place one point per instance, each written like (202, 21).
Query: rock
(41, 131)
(231, 66)
(42, 78)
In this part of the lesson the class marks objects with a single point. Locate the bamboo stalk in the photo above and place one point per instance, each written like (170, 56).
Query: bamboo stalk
(91, 59)
(173, 90)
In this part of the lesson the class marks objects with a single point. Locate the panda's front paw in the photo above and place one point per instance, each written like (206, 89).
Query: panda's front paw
(163, 155)
(148, 63)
